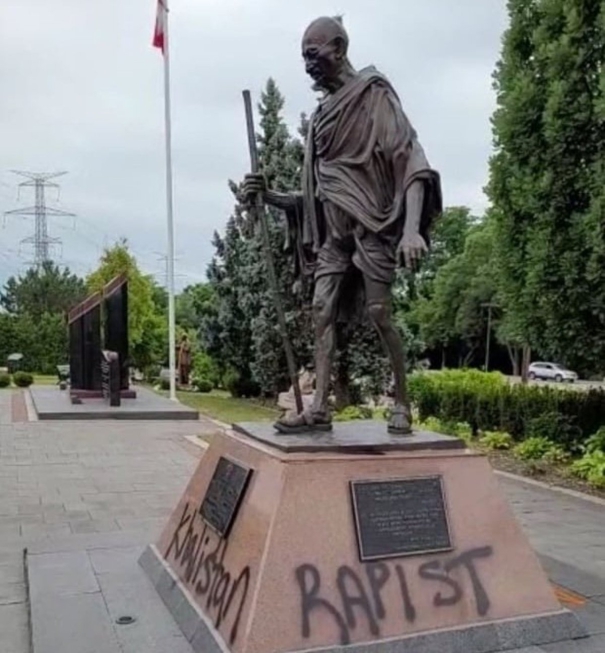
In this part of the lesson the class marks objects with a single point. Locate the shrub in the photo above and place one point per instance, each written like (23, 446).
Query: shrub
(381, 413)
(204, 385)
(555, 427)
(557, 455)
(5, 380)
(596, 442)
(497, 440)
(351, 413)
(487, 402)
(240, 386)
(591, 467)
(165, 384)
(204, 368)
(23, 379)
(431, 424)
(152, 373)
(533, 448)
(460, 430)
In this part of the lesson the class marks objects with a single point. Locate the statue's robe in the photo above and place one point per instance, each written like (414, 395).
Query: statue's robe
(362, 155)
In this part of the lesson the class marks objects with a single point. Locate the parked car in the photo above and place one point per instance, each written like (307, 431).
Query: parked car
(551, 372)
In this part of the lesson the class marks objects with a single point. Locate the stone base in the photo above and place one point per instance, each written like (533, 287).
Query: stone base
(288, 576)
(98, 394)
(365, 436)
(478, 638)
(50, 403)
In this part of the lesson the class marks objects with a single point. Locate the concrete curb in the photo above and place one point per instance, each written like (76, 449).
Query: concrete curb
(32, 415)
(553, 488)
(197, 441)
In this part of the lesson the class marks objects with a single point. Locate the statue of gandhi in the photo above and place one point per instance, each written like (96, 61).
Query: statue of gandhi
(368, 201)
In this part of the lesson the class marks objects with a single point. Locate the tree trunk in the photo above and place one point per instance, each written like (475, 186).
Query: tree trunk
(513, 353)
(525, 363)
(442, 358)
(469, 356)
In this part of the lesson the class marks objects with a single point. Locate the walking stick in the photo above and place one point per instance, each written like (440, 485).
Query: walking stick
(261, 216)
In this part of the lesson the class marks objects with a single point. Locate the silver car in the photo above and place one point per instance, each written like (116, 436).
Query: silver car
(551, 372)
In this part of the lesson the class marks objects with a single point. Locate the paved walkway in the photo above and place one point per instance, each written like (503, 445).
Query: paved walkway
(89, 486)
(81, 484)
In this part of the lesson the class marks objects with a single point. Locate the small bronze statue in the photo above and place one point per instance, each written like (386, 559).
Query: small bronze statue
(368, 201)
(183, 356)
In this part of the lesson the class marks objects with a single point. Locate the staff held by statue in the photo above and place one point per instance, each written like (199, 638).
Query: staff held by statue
(258, 209)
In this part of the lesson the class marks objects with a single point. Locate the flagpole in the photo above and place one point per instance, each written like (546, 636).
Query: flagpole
(169, 212)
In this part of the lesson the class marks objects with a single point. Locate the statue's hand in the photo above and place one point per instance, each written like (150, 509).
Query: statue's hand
(253, 185)
(412, 247)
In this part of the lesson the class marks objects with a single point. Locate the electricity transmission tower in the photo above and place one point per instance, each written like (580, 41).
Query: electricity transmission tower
(40, 239)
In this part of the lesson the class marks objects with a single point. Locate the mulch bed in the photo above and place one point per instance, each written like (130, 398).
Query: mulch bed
(540, 471)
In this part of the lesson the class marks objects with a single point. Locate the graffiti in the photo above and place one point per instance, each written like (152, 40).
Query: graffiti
(431, 571)
(201, 552)
(361, 598)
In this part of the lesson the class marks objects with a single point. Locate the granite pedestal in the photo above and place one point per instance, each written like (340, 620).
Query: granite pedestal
(353, 539)
(51, 403)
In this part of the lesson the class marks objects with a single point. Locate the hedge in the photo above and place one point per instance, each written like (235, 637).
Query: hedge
(489, 403)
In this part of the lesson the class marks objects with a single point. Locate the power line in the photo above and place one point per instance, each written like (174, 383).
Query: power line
(40, 239)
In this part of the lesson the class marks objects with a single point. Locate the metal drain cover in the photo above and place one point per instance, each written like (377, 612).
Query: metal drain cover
(125, 620)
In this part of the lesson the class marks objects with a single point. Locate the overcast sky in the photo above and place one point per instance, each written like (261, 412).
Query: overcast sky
(82, 91)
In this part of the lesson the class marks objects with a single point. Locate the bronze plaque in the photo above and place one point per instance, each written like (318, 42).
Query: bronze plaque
(400, 517)
(224, 495)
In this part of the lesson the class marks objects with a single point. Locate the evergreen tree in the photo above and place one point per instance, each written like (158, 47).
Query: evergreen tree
(44, 289)
(244, 334)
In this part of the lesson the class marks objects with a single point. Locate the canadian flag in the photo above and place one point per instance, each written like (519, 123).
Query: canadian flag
(160, 26)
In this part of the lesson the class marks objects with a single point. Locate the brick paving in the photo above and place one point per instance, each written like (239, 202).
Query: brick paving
(60, 481)
(68, 485)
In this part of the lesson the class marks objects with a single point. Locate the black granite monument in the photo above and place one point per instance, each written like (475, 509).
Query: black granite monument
(99, 323)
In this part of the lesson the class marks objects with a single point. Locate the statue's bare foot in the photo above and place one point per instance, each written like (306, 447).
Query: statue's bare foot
(400, 421)
(305, 422)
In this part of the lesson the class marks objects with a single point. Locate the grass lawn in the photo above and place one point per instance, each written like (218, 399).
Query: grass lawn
(46, 379)
(223, 407)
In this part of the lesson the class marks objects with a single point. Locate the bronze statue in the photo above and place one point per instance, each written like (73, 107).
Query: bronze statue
(183, 357)
(368, 201)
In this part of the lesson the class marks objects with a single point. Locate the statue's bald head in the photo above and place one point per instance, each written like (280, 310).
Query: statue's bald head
(327, 29)
(324, 48)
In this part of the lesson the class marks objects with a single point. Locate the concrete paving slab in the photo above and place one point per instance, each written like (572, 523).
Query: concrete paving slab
(592, 617)
(50, 403)
(589, 645)
(78, 623)
(566, 575)
(128, 592)
(11, 593)
(14, 629)
(60, 574)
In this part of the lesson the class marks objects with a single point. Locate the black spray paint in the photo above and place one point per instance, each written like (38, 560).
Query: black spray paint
(201, 553)
(361, 600)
